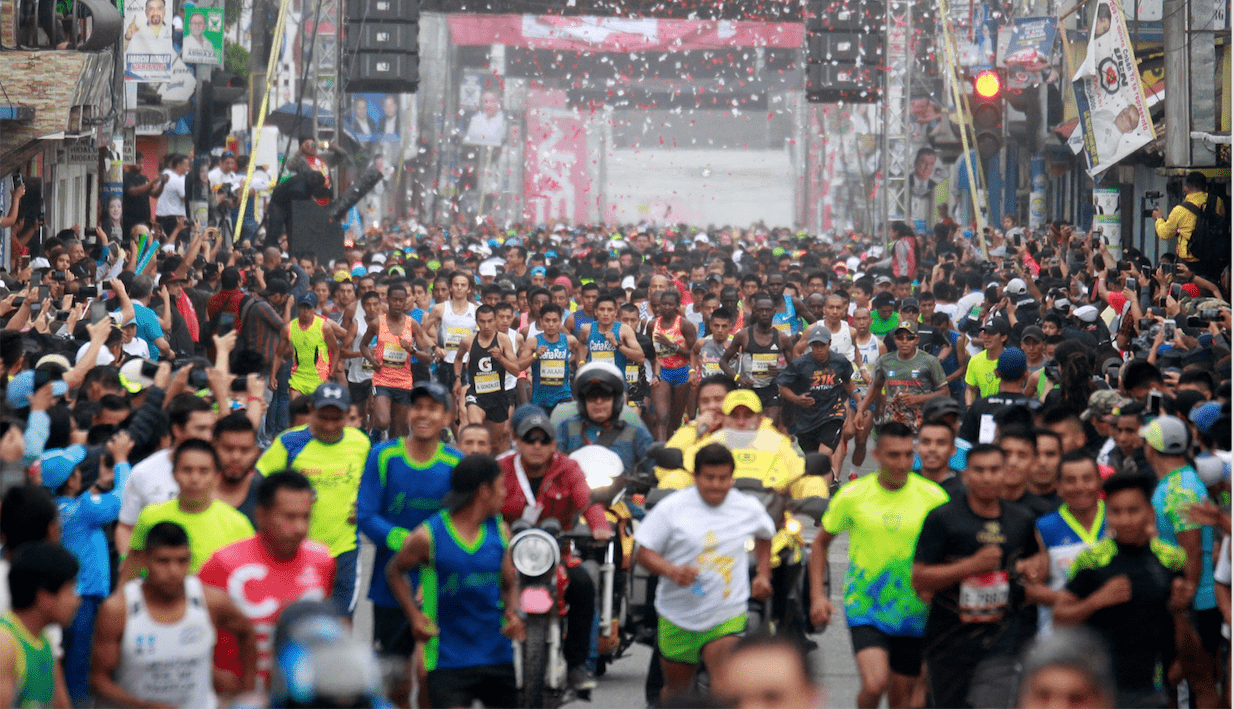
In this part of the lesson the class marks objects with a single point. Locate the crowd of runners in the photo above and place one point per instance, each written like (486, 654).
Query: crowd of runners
(198, 435)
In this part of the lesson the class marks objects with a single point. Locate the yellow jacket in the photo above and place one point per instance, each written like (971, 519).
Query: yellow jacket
(770, 457)
(687, 441)
(1181, 223)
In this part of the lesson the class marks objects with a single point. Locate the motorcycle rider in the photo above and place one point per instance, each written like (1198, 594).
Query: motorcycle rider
(543, 482)
(600, 393)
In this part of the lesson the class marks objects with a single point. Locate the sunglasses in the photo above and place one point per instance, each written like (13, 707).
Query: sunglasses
(906, 336)
(536, 438)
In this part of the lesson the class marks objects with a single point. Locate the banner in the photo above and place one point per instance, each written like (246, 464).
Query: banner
(1032, 52)
(372, 118)
(203, 44)
(555, 180)
(148, 49)
(617, 34)
(1110, 100)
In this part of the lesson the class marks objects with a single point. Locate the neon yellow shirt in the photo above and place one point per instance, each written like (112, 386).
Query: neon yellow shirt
(209, 530)
(334, 469)
(981, 374)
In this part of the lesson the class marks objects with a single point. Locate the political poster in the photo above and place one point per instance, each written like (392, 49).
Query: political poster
(203, 42)
(1109, 97)
(148, 49)
(373, 118)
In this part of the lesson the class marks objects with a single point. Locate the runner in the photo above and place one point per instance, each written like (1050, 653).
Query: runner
(489, 355)
(332, 456)
(552, 356)
(43, 592)
(883, 514)
(674, 338)
(905, 379)
(359, 368)
(462, 624)
(709, 351)
(764, 351)
(1077, 525)
(695, 540)
(397, 335)
(935, 447)
(311, 346)
(818, 385)
(450, 322)
(608, 340)
(867, 349)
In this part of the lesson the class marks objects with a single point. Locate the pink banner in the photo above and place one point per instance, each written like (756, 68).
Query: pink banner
(555, 180)
(618, 34)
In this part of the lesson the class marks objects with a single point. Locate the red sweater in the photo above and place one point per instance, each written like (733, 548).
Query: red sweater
(563, 492)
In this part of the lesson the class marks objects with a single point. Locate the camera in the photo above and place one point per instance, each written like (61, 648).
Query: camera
(89, 292)
(1152, 194)
(17, 181)
(57, 275)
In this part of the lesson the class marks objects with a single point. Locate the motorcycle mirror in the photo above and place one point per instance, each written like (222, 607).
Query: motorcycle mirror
(552, 525)
(817, 464)
(665, 457)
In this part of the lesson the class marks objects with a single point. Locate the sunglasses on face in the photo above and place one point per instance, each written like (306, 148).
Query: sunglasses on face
(536, 438)
(906, 336)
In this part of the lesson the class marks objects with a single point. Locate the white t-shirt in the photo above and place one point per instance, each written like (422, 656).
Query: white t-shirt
(150, 482)
(171, 201)
(686, 530)
(965, 305)
(138, 348)
(103, 359)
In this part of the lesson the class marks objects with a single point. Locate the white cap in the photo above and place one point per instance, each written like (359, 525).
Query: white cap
(1087, 313)
(628, 283)
(488, 269)
(702, 239)
(374, 269)
(1016, 286)
(379, 258)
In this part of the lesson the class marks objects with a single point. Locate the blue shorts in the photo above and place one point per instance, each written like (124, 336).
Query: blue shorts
(675, 377)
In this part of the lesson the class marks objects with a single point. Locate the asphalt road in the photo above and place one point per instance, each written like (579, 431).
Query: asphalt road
(622, 686)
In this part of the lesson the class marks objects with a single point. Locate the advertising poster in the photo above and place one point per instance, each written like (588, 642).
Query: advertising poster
(148, 49)
(203, 39)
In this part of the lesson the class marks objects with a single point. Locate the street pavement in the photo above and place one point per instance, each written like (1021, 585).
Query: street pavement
(622, 686)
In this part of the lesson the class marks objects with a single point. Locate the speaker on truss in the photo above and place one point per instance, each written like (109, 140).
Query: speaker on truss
(844, 45)
(382, 46)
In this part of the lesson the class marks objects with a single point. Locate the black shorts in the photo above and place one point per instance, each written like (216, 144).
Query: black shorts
(904, 653)
(392, 632)
(828, 435)
(445, 374)
(493, 685)
(360, 391)
(394, 394)
(496, 406)
(769, 396)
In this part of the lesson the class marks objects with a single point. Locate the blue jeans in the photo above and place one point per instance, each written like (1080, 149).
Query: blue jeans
(78, 639)
(278, 416)
(346, 581)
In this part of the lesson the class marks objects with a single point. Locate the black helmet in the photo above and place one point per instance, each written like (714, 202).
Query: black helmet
(599, 377)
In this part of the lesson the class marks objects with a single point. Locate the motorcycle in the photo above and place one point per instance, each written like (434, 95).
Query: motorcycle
(539, 661)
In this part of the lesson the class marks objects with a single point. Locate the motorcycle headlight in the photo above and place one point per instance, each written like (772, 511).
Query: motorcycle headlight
(533, 552)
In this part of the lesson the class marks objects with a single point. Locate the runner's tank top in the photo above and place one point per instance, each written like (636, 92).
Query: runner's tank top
(787, 322)
(310, 357)
(867, 357)
(669, 359)
(581, 319)
(710, 353)
(756, 358)
(485, 372)
(550, 373)
(454, 328)
(462, 596)
(599, 349)
(35, 665)
(173, 662)
(395, 370)
(512, 379)
(359, 369)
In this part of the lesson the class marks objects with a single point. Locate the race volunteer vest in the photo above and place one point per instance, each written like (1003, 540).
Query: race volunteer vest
(168, 662)
(485, 372)
(310, 358)
(550, 372)
(599, 349)
(787, 322)
(462, 596)
(395, 370)
(454, 328)
(669, 359)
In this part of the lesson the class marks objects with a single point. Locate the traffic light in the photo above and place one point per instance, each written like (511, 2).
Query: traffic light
(212, 120)
(987, 110)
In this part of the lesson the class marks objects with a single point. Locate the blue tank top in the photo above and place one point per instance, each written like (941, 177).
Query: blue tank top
(599, 349)
(787, 321)
(581, 319)
(462, 596)
(550, 374)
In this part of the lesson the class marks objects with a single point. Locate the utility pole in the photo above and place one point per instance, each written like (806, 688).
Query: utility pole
(897, 129)
(1178, 82)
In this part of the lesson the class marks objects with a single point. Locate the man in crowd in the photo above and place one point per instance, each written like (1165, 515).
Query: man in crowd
(905, 379)
(819, 385)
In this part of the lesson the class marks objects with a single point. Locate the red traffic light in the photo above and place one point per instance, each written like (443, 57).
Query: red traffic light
(988, 84)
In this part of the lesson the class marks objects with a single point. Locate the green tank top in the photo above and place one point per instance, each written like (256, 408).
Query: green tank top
(35, 669)
(311, 363)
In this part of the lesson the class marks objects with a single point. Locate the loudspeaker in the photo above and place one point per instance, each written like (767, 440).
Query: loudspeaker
(311, 230)
(383, 72)
(366, 11)
(383, 37)
(383, 46)
(833, 83)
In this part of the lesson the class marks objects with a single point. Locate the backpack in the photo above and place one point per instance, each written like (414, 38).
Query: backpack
(1210, 240)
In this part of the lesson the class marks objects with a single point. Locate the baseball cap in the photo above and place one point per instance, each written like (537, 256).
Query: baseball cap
(539, 271)
(1012, 363)
(1032, 332)
(1062, 305)
(132, 378)
(535, 420)
(820, 334)
(1087, 313)
(939, 406)
(309, 299)
(910, 325)
(1016, 286)
(1166, 434)
(467, 477)
(57, 465)
(1204, 416)
(883, 299)
(488, 269)
(698, 286)
(332, 394)
(910, 303)
(1102, 403)
(276, 286)
(21, 388)
(628, 283)
(742, 397)
(117, 317)
(882, 281)
(998, 326)
(430, 389)
(1191, 289)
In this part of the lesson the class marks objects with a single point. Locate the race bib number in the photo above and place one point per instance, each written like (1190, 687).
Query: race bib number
(602, 356)
(455, 335)
(552, 372)
(761, 362)
(663, 350)
(486, 383)
(984, 598)
(784, 327)
(393, 355)
(632, 373)
(710, 368)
